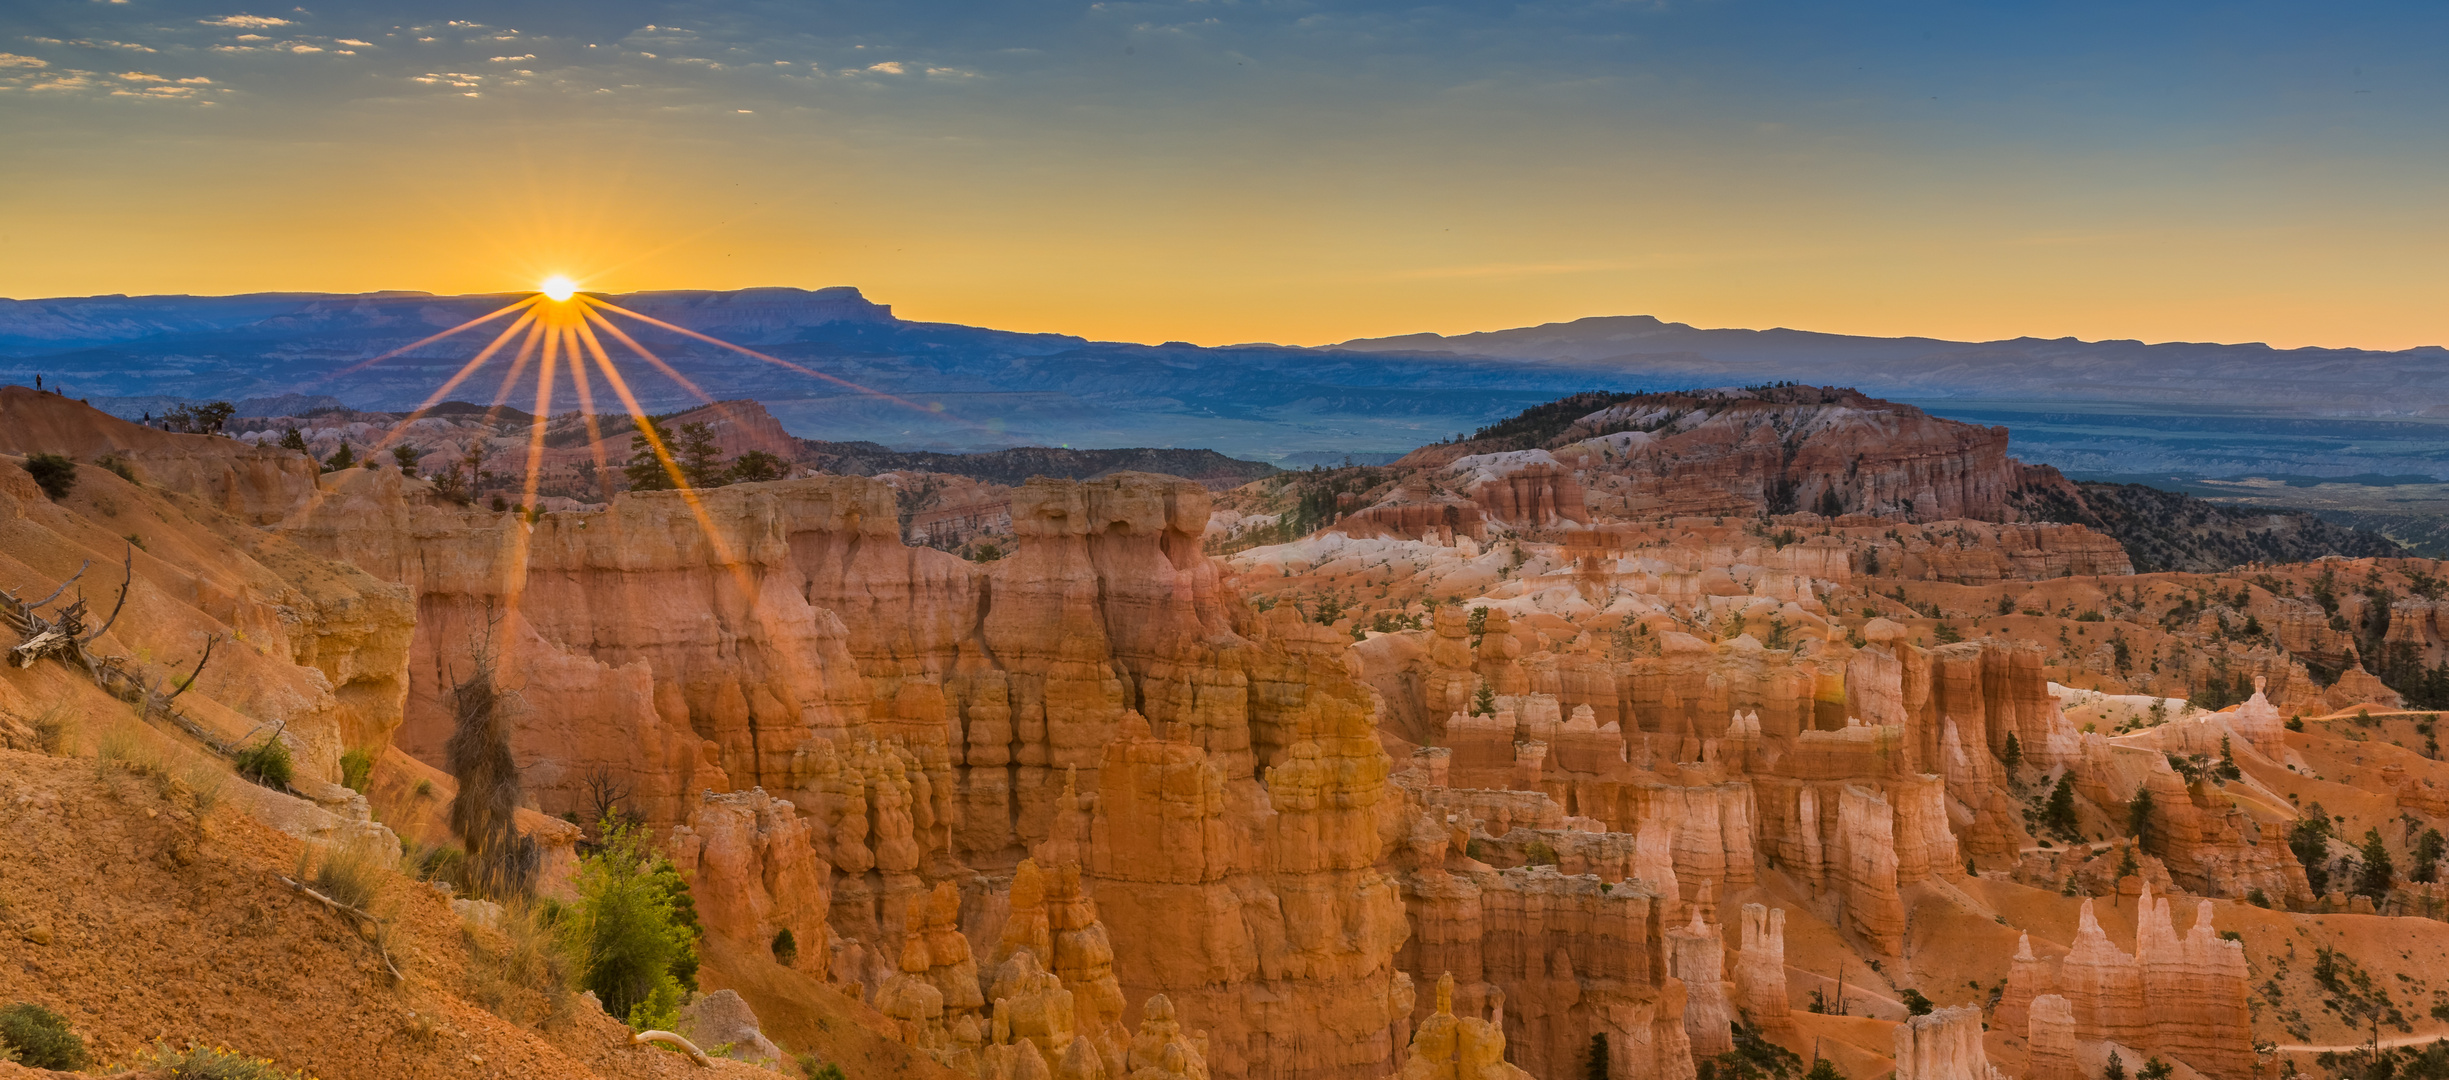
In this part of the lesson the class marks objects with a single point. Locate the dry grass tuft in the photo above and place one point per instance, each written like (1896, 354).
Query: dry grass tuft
(52, 730)
(350, 873)
(516, 969)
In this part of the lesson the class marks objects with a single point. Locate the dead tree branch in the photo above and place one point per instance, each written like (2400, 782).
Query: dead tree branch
(129, 578)
(368, 916)
(669, 1039)
(55, 593)
(192, 676)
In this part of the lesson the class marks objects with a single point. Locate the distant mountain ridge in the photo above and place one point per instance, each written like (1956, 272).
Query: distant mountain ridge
(2094, 409)
(2376, 382)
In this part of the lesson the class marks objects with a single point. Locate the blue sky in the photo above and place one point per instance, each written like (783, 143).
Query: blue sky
(1223, 171)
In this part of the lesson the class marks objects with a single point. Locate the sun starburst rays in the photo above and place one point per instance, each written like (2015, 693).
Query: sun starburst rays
(560, 327)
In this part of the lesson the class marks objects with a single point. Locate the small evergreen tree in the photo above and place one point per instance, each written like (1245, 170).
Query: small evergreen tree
(1484, 703)
(2059, 814)
(2374, 876)
(405, 457)
(292, 439)
(2129, 866)
(2114, 1070)
(645, 470)
(2424, 865)
(1915, 1004)
(2309, 840)
(2138, 816)
(626, 933)
(2013, 756)
(756, 466)
(1596, 1069)
(700, 460)
(1823, 1069)
(343, 458)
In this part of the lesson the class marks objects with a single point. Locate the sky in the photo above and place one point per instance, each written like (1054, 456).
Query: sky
(1217, 171)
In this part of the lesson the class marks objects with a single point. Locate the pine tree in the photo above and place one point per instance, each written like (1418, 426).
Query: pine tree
(343, 458)
(1597, 1069)
(644, 470)
(2309, 840)
(700, 459)
(2138, 816)
(1485, 702)
(292, 440)
(2373, 878)
(2013, 757)
(2059, 814)
(2424, 867)
(2114, 1070)
(406, 457)
(758, 465)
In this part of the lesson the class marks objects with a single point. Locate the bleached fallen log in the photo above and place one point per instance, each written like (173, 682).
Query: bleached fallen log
(669, 1039)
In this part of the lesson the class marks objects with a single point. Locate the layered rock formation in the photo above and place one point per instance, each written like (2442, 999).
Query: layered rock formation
(1944, 1044)
(755, 874)
(2180, 996)
(2050, 1037)
(1760, 970)
(931, 717)
(1450, 1047)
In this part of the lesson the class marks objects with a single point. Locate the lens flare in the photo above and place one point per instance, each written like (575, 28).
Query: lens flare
(559, 287)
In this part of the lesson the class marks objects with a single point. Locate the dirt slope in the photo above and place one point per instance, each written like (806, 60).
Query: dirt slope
(140, 919)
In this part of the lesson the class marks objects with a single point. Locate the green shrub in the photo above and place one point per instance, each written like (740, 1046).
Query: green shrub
(357, 770)
(41, 1037)
(1915, 1003)
(268, 764)
(54, 473)
(786, 947)
(445, 864)
(208, 1063)
(118, 465)
(626, 935)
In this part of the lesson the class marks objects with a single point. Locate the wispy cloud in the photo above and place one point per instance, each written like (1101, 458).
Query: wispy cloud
(14, 60)
(248, 21)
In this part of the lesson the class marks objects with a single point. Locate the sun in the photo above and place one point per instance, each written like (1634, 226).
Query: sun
(559, 287)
